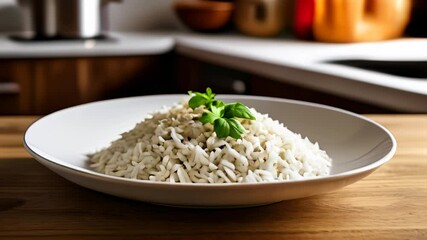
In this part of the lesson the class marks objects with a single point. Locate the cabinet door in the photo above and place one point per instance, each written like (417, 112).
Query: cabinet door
(60, 83)
(55, 84)
(15, 87)
(195, 75)
(268, 87)
(112, 77)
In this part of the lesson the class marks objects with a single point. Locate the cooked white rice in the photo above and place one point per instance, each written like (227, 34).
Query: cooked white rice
(172, 146)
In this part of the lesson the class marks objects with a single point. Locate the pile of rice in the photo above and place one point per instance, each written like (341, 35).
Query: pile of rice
(173, 146)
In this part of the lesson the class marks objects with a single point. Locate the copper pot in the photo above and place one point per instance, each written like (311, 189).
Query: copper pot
(203, 15)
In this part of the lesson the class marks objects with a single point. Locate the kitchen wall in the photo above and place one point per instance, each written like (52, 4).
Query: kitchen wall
(136, 15)
(129, 15)
(9, 16)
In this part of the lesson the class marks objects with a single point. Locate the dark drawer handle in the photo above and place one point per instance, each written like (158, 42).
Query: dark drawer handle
(9, 88)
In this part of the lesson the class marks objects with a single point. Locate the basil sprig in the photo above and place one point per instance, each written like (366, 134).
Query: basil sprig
(222, 116)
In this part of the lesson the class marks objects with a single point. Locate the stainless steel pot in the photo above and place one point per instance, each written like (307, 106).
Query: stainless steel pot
(38, 18)
(64, 18)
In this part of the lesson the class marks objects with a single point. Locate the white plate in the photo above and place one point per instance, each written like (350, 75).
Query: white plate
(61, 140)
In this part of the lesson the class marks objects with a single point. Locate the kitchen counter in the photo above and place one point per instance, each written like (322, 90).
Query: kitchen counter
(288, 60)
(307, 64)
(389, 204)
(118, 44)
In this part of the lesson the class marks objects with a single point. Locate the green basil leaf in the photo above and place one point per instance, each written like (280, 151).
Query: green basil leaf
(209, 94)
(209, 91)
(203, 95)
(208, 117)
(238, 110)
(235, 134)
(236, 129)
(222, 128)
(197, 101)
(222, 116)
(228, 110)
(236, 125)
(217, 107)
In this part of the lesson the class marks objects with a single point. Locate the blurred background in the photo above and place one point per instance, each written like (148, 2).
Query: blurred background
(367, 56)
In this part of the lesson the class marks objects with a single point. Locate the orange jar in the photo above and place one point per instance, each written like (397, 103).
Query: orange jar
(360, 20)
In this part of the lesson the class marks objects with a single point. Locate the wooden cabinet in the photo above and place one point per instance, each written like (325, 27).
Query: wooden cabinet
(196, 75)
(16, 92)
(55, 84)
(41, 86)
(267, 87)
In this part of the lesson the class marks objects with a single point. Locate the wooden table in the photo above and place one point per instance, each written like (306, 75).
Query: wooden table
(389, 204)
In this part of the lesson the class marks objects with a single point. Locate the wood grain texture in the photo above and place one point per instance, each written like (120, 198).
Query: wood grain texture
(20, 73)
(11, 134)
(391, 203)
(47, 85)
